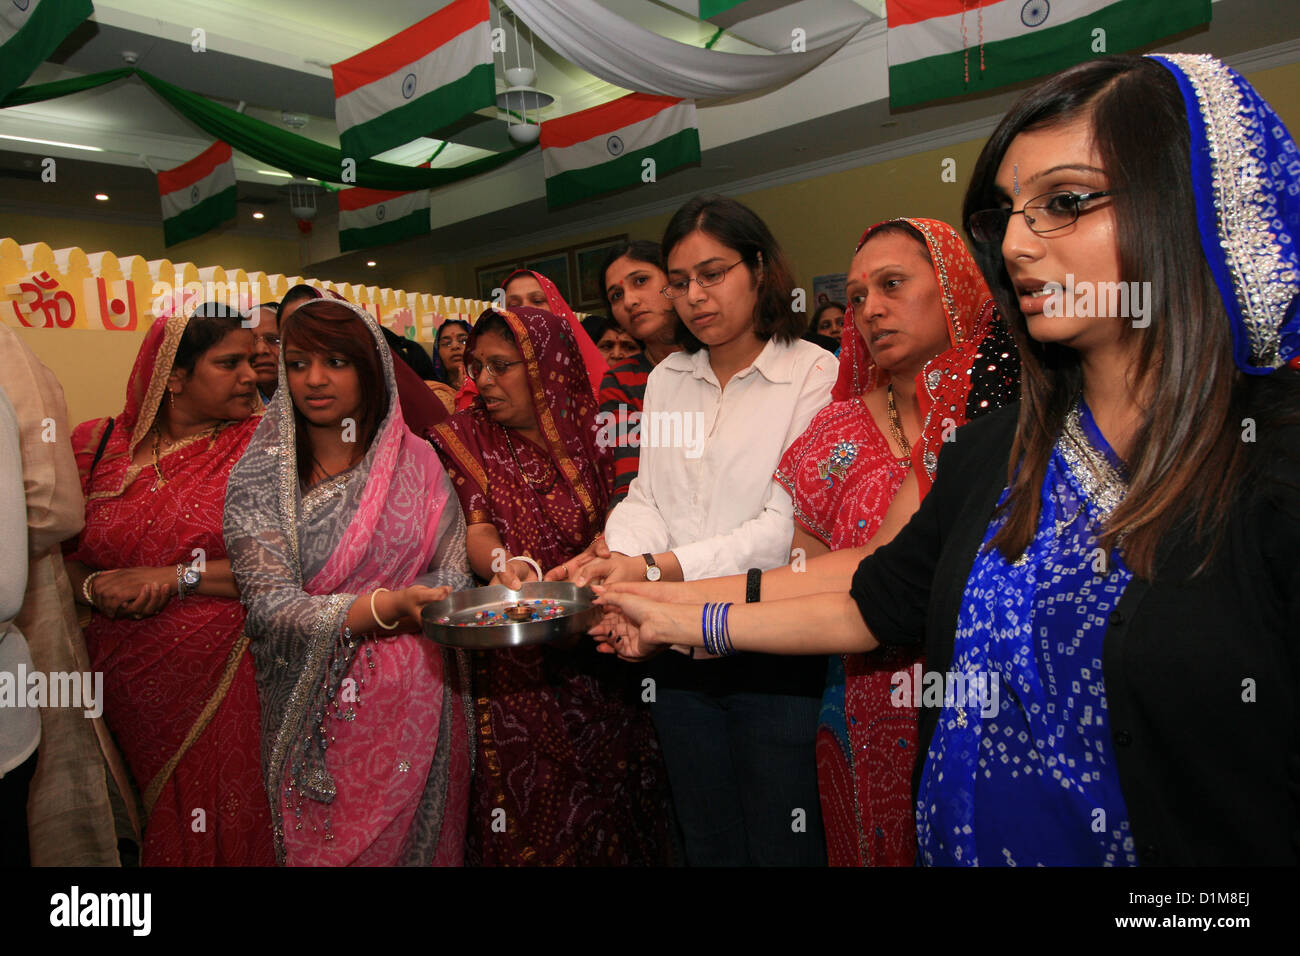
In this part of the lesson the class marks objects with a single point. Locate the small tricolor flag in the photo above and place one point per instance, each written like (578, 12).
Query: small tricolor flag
(30, 30)
(416, 82)
(944, 48)
(199, 195)
(376, 217)
(630, 140)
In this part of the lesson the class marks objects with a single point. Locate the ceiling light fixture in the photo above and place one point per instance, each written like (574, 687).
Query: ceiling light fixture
(102, 197)
(370, 262)
(259, 215)
(52, 142)
(273, 172)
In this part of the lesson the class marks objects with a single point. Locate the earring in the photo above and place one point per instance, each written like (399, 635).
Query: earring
(171, 399)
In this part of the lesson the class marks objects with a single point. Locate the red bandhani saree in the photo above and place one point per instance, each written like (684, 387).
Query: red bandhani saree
(842, 475)
(179, 688)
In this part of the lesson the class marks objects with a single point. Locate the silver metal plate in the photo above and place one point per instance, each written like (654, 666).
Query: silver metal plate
(462, 606)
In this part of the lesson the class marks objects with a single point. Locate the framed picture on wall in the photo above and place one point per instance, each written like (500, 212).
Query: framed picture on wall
(493, 277)
(588, 260)
(555, 266)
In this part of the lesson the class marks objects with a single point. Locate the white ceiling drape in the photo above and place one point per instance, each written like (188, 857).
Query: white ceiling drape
(627, 55)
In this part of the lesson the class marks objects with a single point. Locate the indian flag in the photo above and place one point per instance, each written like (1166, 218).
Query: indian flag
(417, 82)
(199, 195)
(943, 48)
(376, 217)
(29, 32)
(628, 141)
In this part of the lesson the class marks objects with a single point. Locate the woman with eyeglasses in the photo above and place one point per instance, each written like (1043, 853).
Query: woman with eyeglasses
(738, 736)
(1113, 567)
(567, 771)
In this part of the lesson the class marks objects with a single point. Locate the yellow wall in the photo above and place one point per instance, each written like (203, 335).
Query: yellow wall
(223, 247)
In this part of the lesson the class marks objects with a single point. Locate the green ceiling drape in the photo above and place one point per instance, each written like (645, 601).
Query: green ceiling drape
(269, 144)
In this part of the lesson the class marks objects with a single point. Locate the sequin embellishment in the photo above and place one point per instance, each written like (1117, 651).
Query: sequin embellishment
(837, 463)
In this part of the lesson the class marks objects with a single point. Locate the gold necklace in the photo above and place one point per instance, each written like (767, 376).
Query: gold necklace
(159, 480)
(896, 427)
(541, 486)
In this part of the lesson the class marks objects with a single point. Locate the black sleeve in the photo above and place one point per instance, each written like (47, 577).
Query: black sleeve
(892, 586)
(895, 587)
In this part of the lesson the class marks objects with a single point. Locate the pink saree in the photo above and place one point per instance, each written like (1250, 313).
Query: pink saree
(366, 750)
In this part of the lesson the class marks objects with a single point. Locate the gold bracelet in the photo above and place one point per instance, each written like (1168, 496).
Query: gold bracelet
(375, 614)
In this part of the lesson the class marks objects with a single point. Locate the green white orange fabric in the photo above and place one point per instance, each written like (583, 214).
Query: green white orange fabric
(944, 48)
(416, 82)
(199, 195)
(376, 217)
(604, 148)
(29, 32)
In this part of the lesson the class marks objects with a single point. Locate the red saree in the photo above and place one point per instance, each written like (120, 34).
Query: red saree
(842, 476)
(565, 747)
(179, 688)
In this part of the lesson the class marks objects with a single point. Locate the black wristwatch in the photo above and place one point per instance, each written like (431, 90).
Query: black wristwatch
(753, 584)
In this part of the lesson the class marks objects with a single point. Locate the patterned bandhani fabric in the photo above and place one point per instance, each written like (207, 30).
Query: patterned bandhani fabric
(1021, 768)
(565, 746)
(366, 744)
(1246, 175)
(179, 690)
(842, 476)
(592, 359)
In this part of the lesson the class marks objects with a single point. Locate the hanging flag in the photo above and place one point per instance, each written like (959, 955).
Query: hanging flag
(30, 30)
(631, 140)
(199, 195)
(417, 82)
(943, 48)
(376, 217)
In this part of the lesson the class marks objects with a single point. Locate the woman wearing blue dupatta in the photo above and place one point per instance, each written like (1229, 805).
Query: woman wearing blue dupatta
(1106, 581)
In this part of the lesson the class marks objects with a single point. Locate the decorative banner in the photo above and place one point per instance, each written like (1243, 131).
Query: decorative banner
(943, 48)
(417, 82)
(198, 196)
(628, 141)
(46, 288)
(29, 32)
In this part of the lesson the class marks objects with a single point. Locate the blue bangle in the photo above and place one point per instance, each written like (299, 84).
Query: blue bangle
(704, 626)
(725, 642)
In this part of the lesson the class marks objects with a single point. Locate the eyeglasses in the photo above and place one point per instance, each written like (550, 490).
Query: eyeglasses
(474, 367)
(676, 288)
(270, 341)
(1046, 213)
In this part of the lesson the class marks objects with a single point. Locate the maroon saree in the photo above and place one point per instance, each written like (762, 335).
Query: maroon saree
(565, 747)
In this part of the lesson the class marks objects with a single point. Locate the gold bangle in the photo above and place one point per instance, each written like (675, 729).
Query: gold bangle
(86, 591)
(375, 614)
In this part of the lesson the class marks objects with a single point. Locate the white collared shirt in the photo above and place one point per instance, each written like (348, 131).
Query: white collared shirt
(710, 497)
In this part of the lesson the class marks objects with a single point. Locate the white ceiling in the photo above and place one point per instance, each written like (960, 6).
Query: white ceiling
(273, 56)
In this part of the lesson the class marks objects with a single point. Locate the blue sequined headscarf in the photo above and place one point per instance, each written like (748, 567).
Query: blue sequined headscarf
(1246, 174)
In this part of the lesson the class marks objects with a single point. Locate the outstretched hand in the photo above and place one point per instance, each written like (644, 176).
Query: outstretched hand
(633, 627)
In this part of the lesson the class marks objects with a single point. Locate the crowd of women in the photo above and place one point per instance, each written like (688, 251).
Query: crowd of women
(1088, 525)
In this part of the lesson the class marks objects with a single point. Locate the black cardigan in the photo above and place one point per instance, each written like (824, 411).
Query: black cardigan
(1208, 777)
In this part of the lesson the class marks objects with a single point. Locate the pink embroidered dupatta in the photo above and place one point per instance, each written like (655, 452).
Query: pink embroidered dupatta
(366, 746)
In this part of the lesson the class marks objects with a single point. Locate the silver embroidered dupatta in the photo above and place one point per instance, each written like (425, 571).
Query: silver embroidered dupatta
(1246, 175)
(285, 543)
